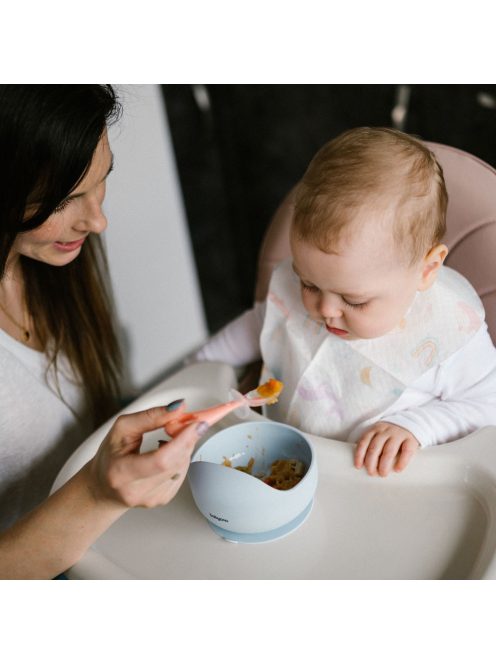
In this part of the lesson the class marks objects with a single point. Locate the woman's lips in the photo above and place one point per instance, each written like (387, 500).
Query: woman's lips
(68, 246)
(336, 330)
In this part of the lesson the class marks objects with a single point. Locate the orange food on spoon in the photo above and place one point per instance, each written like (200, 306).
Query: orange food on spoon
(272, 387)
(264, 394)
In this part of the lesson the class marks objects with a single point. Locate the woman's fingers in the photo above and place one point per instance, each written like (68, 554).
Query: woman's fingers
(127, 431)
(169, 458)
(122, 474)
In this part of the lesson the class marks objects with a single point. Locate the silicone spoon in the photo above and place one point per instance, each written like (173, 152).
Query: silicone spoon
(262, 395)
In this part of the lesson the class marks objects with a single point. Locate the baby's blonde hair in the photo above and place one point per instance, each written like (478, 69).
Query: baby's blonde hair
(377, 169)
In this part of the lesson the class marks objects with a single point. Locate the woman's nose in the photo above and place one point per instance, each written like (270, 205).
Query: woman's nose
(330, 306)
(92, 218)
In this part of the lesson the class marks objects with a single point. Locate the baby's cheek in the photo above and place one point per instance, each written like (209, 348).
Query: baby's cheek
(309, 303)
(376, 324)
(364, 331)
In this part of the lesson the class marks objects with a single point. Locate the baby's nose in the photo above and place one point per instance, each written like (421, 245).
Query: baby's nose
(330, 306)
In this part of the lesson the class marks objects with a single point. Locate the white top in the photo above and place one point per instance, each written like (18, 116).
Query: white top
(450, 400)
(38, 431)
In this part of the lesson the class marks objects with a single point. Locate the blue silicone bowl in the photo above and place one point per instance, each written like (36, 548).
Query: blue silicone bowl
(240, 507)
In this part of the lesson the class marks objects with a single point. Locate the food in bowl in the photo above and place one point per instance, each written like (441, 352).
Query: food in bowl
(244, 469)
(284, 473)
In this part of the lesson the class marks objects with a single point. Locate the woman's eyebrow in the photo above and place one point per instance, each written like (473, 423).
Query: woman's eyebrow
(110, 169)
(36, 203)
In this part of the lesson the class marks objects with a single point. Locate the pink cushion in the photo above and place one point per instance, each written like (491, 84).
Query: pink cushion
(471, 227)
(471, 222)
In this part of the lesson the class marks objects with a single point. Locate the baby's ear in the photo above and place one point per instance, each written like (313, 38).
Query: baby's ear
(431, 264)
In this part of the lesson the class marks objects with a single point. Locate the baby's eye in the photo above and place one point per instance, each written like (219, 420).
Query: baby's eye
(358, 305)
(307, 287)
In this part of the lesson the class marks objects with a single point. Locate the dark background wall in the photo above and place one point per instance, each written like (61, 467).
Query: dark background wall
(240, 148)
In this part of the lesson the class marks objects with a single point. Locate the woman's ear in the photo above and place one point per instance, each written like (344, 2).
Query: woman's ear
(431, 264)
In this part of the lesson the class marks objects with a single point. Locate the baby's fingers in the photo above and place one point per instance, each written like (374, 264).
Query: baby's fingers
(389, 456)
(374, 452)
(362, 447)
(408, 449)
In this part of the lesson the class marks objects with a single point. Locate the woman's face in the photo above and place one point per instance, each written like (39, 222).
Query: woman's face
(59, 239)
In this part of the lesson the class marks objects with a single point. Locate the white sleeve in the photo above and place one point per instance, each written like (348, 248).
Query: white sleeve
(238, 343)
(463, 398)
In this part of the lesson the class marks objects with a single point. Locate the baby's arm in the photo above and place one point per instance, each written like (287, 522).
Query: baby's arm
(464, 397)
(238, 343)
(448, 403)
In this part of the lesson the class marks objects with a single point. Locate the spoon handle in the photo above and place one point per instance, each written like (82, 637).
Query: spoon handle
(210, 415)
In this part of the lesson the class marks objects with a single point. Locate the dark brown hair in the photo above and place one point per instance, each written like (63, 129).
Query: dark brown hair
(48, 135)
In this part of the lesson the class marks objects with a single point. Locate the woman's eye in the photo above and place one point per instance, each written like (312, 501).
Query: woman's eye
(62, 206)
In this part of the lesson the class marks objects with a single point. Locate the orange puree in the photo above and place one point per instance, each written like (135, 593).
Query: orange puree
(271, 388)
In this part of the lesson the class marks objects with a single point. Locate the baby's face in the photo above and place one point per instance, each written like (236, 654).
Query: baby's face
(362, 291)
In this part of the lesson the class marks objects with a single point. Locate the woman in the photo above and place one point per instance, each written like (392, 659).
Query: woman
(59, 356)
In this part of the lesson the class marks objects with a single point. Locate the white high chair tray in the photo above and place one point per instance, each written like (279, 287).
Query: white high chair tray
(435, 520)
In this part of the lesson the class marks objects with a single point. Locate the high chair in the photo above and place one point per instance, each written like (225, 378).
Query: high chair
(436, 520)
(470, 236)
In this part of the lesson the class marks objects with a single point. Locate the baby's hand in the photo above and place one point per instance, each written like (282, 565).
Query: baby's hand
(385, 447)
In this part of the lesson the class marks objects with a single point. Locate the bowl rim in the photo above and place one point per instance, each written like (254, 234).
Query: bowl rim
(311, 466)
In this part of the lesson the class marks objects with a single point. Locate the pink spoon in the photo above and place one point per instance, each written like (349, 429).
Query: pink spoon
(253, 399)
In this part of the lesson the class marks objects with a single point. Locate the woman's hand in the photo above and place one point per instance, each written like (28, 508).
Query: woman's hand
(54, 536)
(385, 447)
(122, 476)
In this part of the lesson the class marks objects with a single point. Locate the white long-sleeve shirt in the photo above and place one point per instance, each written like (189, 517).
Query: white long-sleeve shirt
(447, 402)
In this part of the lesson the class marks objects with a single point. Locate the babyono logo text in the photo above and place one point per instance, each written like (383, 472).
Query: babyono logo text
(219, 518)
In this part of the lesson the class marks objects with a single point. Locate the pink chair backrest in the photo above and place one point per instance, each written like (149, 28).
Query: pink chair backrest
(470, 236)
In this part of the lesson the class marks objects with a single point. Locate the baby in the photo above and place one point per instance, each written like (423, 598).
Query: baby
(376, 341)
